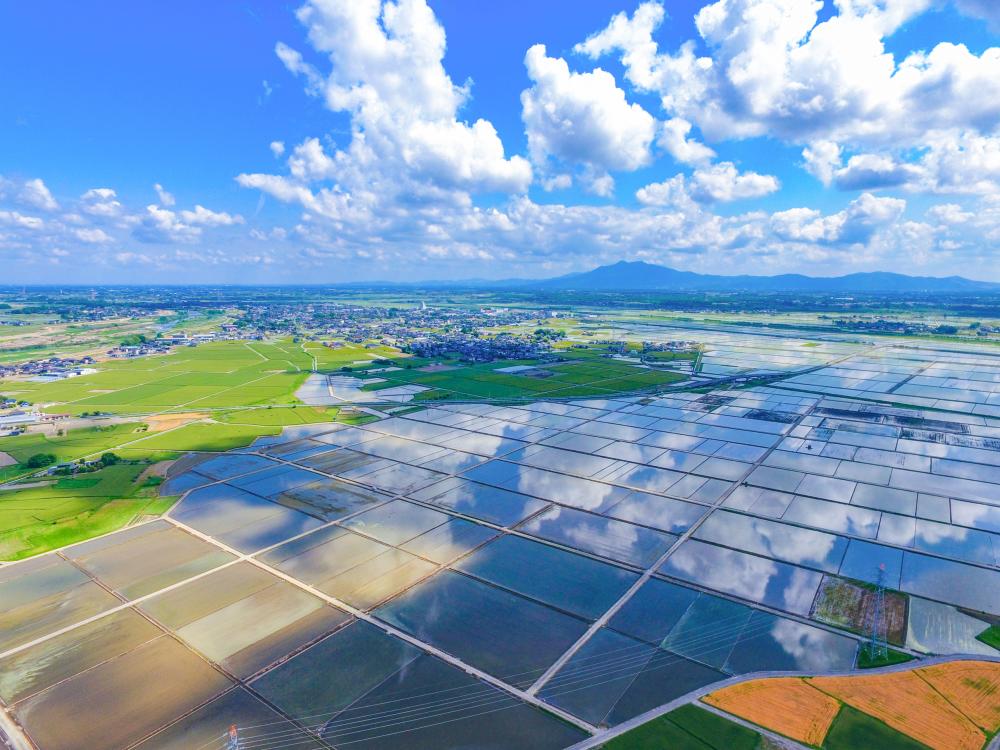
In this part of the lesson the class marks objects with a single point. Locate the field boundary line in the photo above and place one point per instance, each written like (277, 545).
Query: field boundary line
(648, 572)
(401, 634)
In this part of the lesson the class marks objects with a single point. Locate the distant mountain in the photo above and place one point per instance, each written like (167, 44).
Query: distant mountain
(639, 276)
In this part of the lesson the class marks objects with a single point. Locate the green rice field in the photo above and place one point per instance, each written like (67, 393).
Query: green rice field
(71, 446)
(853, 729)
(219, 375)
(65, 510)
(70, 509)
(239, 391)
(687, 728)
(584, 374)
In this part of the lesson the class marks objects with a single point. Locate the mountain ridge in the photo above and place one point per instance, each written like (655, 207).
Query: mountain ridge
(642, 276)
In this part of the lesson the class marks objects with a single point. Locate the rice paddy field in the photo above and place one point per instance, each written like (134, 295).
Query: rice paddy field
(542, 574)
(213, 397)
(40, 336)
(209, 376)
(689, 728)
(40, 513)
(584, 374)
(62, 510)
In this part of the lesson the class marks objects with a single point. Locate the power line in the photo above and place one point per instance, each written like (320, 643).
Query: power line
(576, 676)
(718, 628)
(877, 626)
(513, 704)
(373, 721)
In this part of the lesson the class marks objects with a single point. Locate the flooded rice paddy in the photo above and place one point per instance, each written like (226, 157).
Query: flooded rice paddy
(511, 576)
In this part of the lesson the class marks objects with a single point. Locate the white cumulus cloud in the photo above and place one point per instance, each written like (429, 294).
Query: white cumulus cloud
(386, 71)
(35, 193)
(674, 138)
(582, 118)
(101, 202)
(857, 223)
(166, 199)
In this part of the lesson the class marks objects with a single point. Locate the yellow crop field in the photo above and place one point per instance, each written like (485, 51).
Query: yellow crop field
(907, 704)
(949, 706)
(972, 686)
(164, 422)
(787, 705)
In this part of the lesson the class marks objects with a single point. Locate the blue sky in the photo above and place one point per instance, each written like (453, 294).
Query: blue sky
(345, 140)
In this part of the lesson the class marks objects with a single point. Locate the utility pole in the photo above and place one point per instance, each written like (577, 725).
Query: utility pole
(234, 738)
(877, 646)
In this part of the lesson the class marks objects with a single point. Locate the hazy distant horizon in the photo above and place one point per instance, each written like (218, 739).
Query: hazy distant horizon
(485, 283)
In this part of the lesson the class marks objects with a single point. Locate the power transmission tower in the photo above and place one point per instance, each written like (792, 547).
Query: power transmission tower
(234, 738)
(877, 646)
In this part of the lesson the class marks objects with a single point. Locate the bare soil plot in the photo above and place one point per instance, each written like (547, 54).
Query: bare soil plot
(159, 469)
(847, 605)
(164, 422)
(437, 368)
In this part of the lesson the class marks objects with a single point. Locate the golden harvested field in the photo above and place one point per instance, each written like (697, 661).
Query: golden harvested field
(972, 686)
(787, 705)
(950, 706)
(164, 422)
(907, 704)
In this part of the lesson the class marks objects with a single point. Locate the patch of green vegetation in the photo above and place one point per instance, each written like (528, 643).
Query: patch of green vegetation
(892, 656)
(203, 436)
(279, 416)
(37, 519)
(39, 461)
(687, 728)
(581, 373)
(990, 636)
(408, 410)
(852, 729)
(215, 376)
(73, 483)
(70, 446)
(670, 356)
(357, 418)
(712, 729)
(68, 339)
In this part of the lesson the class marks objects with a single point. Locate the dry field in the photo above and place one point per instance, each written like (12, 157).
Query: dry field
(164, 422)
(907, 704)
(951, 706)
(848, 605)
(972, 686)
(787, 705)
(159, 469)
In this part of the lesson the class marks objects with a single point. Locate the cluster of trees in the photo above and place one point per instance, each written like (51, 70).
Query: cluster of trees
(41, 460)
(549, 334)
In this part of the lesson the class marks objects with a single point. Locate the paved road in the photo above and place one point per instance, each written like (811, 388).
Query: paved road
(11, 736)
